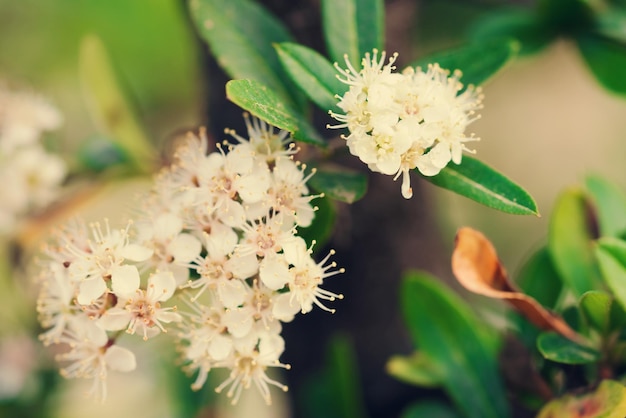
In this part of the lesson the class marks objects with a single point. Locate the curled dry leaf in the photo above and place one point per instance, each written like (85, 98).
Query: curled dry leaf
(476, 266)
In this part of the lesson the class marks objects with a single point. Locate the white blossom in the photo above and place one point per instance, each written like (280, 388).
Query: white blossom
(398, 122)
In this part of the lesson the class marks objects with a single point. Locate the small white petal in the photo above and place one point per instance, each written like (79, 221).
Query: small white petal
(163, 285)
(136, 252)
(125, 280)
(90, 290)
(115, 319)
(274, 272)
(185, 247)
(220, 347)
(120, 359)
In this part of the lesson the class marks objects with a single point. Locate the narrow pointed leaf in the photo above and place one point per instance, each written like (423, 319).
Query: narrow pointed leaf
(262, 102)
(606, 58)
(352, 27)
(110, 107)
(561, 350)
(478, 61)
(609, 202)
(345, 186)
(313, 73)
(570, 243)
(450, 339)
(240, 34)
(481, 183)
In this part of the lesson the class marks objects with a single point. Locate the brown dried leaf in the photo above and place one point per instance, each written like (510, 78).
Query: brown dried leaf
(476, 266)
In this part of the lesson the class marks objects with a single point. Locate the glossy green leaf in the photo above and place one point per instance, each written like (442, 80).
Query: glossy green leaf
(559, 349)
(519, 24)
(478, 61)
(611, 255)
(416, 369)
(570, 243)
(609, 202)
(321, 228)
(607, 401)
(312, 73)
(110, 107)
(445, 329)
(353, 27)
(430, 409)
(241, 34)
(538, 278)
(346, 186)
(606, 58)
(481, 183)
(262, 102)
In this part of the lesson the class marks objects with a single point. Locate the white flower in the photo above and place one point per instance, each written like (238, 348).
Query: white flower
(141, 309)
(248, 365)
(92, 354)
(103, 261)
(55, 301)
(304, 278)
(263, 141)
(220, 270)
(402, 121)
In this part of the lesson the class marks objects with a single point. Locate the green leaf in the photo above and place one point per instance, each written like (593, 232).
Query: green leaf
(335, 391)
(241, 34)
(321, 229)
(561, 350)
(110, 107)
(611, 256)
(570, 243)
(481, 183)
(601, 311)
(430, 409)
(538, 278)
(345, 186)
(478, 61)
(445, 330)
(607, 401)
(611, 23)
(416, 369)
(609, 202)
(345, 377)
(519, 24)
(262, 102)
(312, 73)
(606, 58)
(596, 306)
(353, 27)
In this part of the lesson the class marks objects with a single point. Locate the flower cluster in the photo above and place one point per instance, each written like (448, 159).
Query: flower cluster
(401, 121)
(31, 174)
(219, 233)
